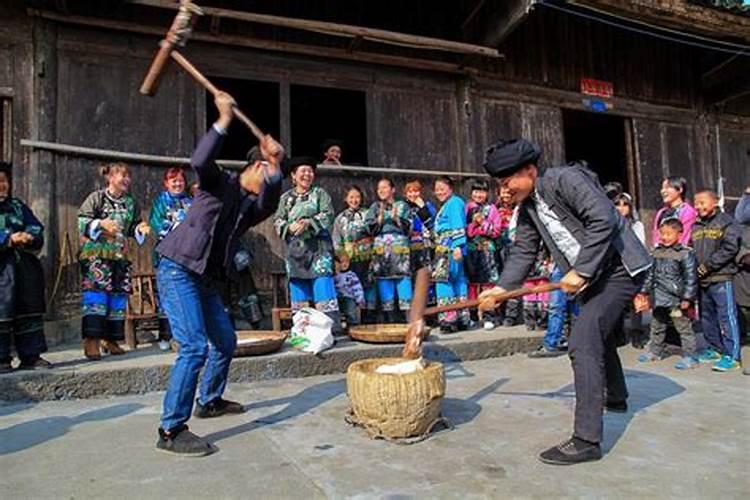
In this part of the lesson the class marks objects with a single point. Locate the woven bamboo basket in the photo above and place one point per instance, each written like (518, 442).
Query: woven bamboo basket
(395, 406)
(379, 334)
(257, 342)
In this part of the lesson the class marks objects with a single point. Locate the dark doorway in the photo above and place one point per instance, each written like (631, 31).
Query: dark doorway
(599, 139)
(318, 114)
(259, 101)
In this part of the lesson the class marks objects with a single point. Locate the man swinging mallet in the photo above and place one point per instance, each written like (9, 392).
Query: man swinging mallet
(603, 261)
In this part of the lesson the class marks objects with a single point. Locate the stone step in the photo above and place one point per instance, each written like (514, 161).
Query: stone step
(147, 369)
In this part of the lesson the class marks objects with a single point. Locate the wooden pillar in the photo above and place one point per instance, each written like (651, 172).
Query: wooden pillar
(41, 177)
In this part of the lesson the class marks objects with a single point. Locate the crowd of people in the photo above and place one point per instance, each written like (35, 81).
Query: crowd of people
(357, 266)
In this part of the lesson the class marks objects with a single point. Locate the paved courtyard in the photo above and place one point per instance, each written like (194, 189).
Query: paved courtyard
(686, 436)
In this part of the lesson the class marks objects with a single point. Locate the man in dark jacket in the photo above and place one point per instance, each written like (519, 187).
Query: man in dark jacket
(716, 239)
(671, 287)
(194, 257)
(602, 260)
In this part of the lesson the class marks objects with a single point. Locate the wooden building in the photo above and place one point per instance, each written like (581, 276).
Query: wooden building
(640, 89)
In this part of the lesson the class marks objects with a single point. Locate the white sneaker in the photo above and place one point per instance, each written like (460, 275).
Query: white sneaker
(489, 325)
(164, 345)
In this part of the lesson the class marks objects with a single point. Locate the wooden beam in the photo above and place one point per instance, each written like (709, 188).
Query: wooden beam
(679, 15)
(256, 43)
(336, 29)
(505, 20)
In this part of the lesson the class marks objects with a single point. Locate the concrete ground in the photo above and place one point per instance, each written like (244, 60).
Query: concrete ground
(686, 436)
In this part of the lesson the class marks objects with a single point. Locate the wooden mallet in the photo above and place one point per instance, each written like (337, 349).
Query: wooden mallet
(177, 36)
(414, 333)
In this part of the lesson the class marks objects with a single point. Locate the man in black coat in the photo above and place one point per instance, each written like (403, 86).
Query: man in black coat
(197, 255)
(603, 261)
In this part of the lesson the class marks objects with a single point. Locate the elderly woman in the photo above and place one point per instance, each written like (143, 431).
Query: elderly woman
(168, 210)
(106, 220)
(304, 222)
(389, 221)
(21, 281)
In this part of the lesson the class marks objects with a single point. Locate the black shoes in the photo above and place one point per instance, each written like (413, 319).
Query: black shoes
(616, 406)
(217, 408)
(181, 441)
(35, 364)
(573, 451)
(446, 327)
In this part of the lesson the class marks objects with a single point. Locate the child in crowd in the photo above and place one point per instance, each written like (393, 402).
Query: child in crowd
(535, 304)
(671, 289)
(349, 291)
(716, 239)
(483, 228)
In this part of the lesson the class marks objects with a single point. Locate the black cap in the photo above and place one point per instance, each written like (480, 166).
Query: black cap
(506, 156)
(331, 142)
(298, 161)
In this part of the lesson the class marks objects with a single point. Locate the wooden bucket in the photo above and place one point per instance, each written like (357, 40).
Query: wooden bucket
(394, 406)
(394, 333)
(257, 342)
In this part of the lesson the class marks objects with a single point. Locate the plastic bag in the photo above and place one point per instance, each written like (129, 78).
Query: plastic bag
(311, 331)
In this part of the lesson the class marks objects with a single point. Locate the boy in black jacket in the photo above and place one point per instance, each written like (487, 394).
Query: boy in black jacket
(716, 239)
(671, 286)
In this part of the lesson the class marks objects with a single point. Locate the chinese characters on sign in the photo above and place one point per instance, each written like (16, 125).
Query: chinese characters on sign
(597, 88)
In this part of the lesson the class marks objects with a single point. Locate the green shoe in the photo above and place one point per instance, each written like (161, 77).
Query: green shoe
(726, 364)
(708, 356)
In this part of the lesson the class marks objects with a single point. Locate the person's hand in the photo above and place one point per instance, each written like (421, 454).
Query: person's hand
(489, 300)
(702, 271)
(418, 201)
(110, 226)
(478, 218)
(572, 282)
(297, 228)
(272, 152)
(457, 254)
(641, 303)
(225, 104)
(20, 239)
(143, 228)
(685, 305)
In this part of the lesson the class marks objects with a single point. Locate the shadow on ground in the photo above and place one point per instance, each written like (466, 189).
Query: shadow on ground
(646, 390)
(35, 432)
(294, 406)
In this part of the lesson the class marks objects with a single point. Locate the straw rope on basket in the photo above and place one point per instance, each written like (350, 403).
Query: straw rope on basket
(380, 333)
(257, 342)
(404, 408)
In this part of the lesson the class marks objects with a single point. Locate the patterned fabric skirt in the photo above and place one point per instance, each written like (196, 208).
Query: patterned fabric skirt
(106, 285)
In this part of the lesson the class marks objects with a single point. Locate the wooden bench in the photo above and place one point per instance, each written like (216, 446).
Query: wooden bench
(279, 314)
(143, 306)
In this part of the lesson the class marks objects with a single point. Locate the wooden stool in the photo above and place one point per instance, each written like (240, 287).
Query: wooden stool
(143, 305)
(279, 314)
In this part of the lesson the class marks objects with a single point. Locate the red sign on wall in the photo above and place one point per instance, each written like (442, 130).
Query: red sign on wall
(598, 88)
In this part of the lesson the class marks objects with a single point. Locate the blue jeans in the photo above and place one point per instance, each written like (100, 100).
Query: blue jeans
(719, 318)
(204, 332)
(559, 307)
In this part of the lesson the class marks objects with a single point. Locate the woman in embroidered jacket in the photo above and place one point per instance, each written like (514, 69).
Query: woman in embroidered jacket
(304, 221)
(353, 245)
(21, 281)
(168, 210)
(483, 228)
(389, 220)
(106, 219)
(450, 251)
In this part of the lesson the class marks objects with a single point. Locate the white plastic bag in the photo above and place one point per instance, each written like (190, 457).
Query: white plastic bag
(311, 331)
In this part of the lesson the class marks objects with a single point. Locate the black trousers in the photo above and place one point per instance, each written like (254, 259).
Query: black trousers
(593, 349)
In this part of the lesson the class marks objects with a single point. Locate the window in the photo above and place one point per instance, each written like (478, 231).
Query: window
(6, 130)
(259, 101)
(318, 114)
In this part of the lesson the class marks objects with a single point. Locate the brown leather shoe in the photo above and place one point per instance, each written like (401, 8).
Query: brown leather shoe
(112, 347)
(91, 349)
